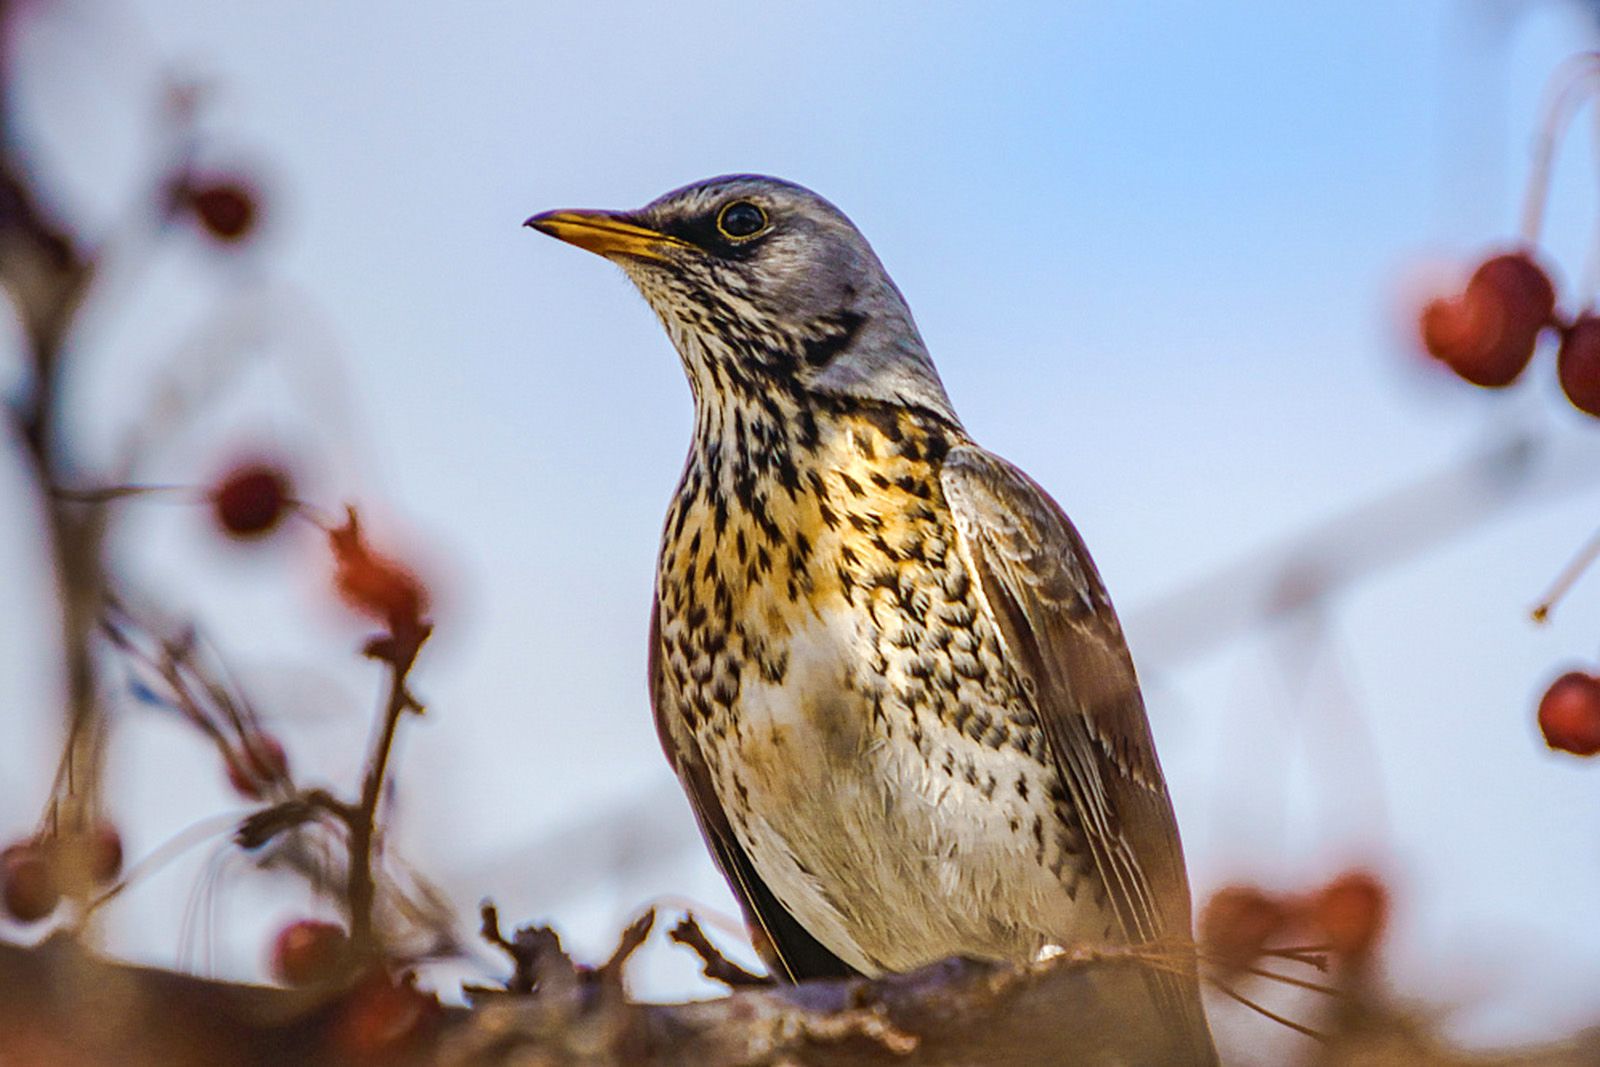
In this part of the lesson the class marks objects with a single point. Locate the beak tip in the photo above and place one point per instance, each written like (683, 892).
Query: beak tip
(604, 233)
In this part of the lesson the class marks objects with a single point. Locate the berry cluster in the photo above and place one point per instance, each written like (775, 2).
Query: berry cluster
(31, 870)
(1488, 333)
(1345, 917)
(377, 1016)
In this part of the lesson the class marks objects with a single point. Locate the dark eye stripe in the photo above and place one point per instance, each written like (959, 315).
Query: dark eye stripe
(741, 219)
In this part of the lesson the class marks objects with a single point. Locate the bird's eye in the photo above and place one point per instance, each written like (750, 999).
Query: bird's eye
(741, 219)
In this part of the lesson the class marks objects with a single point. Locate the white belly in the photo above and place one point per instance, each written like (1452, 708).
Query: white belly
(892, 855)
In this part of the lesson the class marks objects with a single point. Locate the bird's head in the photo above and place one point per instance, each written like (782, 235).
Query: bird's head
(764, 285)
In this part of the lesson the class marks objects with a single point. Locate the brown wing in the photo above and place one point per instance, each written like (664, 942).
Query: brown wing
(1042, 592)
(788, 949)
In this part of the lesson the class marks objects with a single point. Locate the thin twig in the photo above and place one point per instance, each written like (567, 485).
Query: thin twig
(1307, 955)
(713, 964)
(1299, 1028)
(1315, 987)
(632, 937)
(361, 889)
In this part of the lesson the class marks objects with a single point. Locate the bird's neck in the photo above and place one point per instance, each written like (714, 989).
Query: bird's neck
(763, 453)
(751, 440)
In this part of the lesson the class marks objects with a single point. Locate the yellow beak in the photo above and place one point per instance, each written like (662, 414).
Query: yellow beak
(604, 234)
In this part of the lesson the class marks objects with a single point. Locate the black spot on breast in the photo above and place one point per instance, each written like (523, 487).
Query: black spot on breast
(806, 435)
(847, 583)
(886, 419)
(744, 487)
(769, 527)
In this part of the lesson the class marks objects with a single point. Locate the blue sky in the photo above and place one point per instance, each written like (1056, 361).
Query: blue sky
(1156, 251)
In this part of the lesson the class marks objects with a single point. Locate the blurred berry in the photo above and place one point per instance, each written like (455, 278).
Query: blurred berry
(1351, 911)
(1578, 364)
(28, 881)
(1523, 289)
(257, 763)
(251, 500)
(309, 952)
(1569, 714)
(105, 853)
(381, 1019)
(1236, 924)
(224, 207)
(1487, 335)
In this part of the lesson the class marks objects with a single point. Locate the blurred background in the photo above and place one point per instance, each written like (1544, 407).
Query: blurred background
(1167, 257)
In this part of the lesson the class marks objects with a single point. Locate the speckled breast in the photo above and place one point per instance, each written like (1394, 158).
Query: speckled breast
(825, 650)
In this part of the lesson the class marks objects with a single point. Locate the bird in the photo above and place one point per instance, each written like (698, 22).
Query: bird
(882, 662)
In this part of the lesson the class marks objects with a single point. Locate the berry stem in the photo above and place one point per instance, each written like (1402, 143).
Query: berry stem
(1591, 268)
(106, 494)
(164, 854)
(1581, 72)
(1568, 578)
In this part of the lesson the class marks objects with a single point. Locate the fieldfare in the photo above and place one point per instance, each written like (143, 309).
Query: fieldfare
(882, 662)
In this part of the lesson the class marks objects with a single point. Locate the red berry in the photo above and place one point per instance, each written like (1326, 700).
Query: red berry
(1569, 714)
(381, 1019)
(1236, 924)
(225, 207)
(251, 500)
(309, 952)
(257, 763)
(1350, 911)
(1487, 335)
(1523, 288)
(28, 877)
(1578, 364)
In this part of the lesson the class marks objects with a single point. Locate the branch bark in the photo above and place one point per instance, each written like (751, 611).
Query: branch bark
(62, 1005)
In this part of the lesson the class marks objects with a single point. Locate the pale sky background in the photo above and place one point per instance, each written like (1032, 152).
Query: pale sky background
(1157, 252)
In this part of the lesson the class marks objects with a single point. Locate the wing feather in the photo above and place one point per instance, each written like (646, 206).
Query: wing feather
(1042, 592)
